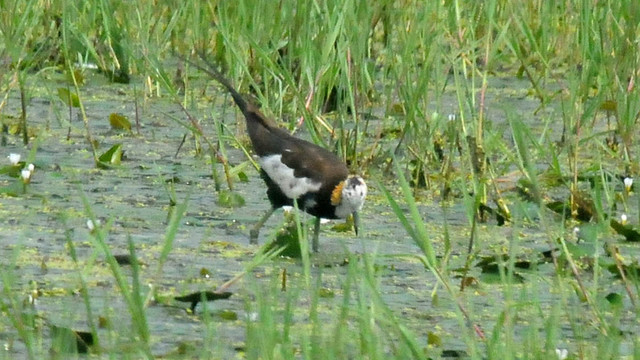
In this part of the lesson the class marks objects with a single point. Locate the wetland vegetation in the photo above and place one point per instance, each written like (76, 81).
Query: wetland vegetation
(498, 139)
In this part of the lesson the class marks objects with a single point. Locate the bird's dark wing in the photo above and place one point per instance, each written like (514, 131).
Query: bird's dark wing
(313, 162)
(305, 158)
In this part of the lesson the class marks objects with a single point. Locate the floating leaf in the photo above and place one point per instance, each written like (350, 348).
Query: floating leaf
(69, 341)
(468, 281)
(495, 278)
(184, 348)
(614, 299)
(490, 263)
(104, 322)
(243, 177)
(206, 295)
(287, 239)
(14, 129)
(12, 170)
(228, 315)
(344, 262)
(230, 199)
(630, 271)
(77, 74)
(345, 226)
(196, 297)
(559, 207)
(390, 133)
(69, 98)
(14, 189)
(173, 180)
(629, 233)
(239, 169)
(326, 293)
(526, 189)
(205, 273)
(491, 268)
(585, 207)
(501, 217)
(455, 354)
(113, 156)
(119, 122)
(433, 339)
(547, 255)
(609, 105)
(397, 109)
(123, 259)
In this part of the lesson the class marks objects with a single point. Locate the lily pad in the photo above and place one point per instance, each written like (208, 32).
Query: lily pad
(111, 157)
(119, 122)
(230, 199)
(69, 341)
(629, 233)
(12, 170)
(68, 97)
(196, 297)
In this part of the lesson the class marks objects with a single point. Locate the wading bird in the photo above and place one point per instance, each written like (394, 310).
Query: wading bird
(295, 169)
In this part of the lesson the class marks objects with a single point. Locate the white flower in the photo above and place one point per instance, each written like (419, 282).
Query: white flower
(628, 182)
(14, 158)
(31, 299)
(26, 175)
(623, 219)
(91, 225)
(31, 167)
(576, 231)
(562, 353)
(452, 117)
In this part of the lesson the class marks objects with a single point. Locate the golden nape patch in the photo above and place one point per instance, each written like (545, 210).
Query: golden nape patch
(336, 194)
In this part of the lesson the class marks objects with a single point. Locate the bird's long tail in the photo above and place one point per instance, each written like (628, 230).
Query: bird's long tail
(250, 111)
(211, 71)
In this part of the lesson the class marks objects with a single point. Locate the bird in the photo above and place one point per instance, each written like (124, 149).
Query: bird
(296, 170)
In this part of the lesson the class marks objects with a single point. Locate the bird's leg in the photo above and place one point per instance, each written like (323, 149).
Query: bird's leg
(253, 233)
(316, 231)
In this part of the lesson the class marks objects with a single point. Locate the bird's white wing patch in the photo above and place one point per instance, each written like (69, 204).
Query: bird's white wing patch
(282, 175)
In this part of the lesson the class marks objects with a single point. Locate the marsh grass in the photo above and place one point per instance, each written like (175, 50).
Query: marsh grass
(431, 69)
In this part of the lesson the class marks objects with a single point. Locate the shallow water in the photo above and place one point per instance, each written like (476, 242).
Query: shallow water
(134, 198)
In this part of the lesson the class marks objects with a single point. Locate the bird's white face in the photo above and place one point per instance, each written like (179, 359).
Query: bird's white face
(352, 197)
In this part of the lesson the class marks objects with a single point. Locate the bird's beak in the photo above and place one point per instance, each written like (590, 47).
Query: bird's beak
(356, 221)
